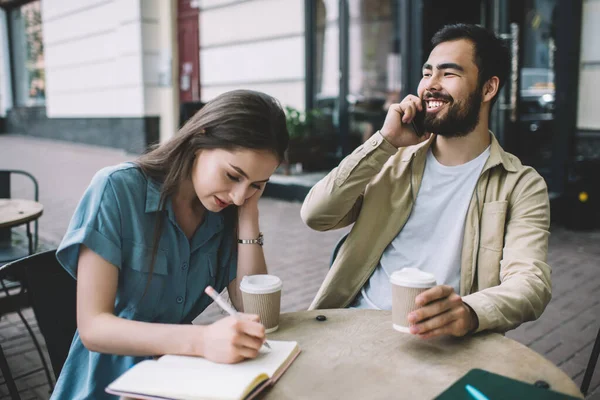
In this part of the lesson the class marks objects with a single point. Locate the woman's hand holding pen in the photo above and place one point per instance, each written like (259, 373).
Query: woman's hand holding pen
(231, 340)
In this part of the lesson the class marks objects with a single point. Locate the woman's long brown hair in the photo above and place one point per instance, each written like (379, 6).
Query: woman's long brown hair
(240, 119)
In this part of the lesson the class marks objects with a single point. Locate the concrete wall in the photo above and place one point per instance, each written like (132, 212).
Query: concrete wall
(94, 58)
(256, 44)
(588, 117)
(5, 89)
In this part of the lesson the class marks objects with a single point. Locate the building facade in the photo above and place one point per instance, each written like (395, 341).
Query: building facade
(89, 71)
(117, 72)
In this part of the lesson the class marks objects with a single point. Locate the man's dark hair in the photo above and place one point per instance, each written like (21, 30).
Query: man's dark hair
(491, 55)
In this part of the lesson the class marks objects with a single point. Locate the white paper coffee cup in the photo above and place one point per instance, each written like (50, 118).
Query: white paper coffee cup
(261, 295)
(407, 284)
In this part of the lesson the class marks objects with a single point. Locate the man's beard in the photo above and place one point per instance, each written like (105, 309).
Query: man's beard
(461, 117)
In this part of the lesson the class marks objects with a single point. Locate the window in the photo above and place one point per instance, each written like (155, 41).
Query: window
(28, 54)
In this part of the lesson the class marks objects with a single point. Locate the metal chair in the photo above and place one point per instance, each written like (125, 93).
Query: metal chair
(51, 292)
(589, 371)
(8, 252)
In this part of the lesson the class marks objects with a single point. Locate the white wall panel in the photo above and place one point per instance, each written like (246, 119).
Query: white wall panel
(288, 93)
(122, 102)
(53, 9)
(84, 51)
(260, 61)
(590, 32)
(128, 10)
(122, 71)
(588, 116)
(217, 3)
(128, 38)
(88, 22)
(252, 20)
(93, 58)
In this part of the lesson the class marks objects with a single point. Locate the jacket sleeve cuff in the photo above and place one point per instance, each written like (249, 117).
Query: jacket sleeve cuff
(484, 309)
(377, 140)
(374, 153)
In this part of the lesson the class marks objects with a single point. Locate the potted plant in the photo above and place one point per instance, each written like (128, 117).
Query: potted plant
(304, 145)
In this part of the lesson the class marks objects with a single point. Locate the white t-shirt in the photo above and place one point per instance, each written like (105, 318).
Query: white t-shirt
(432, 238)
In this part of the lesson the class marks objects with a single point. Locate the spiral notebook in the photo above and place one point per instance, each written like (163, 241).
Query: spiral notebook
(195, 378)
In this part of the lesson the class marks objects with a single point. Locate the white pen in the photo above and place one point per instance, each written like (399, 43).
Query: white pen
(225, 306)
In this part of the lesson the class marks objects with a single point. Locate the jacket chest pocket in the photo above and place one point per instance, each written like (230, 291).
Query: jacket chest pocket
(493, 220)
(143, 287)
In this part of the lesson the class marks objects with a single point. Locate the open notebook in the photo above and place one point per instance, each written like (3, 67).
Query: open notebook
(187, 378)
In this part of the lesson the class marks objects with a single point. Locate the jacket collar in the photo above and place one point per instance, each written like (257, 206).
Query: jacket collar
(497, 154)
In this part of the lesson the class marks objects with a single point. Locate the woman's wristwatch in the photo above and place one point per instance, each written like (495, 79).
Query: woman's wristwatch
(258, 240)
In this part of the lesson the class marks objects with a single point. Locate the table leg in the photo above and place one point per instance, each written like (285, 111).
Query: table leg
(589, 371)
(8, 378)
(30, 240)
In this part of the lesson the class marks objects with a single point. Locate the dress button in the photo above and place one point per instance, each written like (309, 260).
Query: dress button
(179, 299)
(374, 142)
(184, 266)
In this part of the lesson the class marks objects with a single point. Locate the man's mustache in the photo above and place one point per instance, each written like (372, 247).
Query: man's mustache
(437, 96)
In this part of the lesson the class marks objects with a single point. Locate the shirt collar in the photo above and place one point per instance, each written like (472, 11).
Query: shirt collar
(497, 154)
(152, 196)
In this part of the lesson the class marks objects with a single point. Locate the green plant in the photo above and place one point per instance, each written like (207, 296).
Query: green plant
(299, 122)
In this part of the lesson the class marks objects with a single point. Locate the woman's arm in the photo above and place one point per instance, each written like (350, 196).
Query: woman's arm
(227, 340)
(251, 258)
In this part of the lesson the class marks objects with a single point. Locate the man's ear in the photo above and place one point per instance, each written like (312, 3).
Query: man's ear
(490, 88)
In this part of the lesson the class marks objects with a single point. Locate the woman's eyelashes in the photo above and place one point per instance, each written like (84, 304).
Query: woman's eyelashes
(233, 178)
(237, 179)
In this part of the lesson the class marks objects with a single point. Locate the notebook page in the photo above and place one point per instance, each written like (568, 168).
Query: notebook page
(165, 380)
(267, 362)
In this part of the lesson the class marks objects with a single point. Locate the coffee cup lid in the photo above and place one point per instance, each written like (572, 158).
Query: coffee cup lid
(260, 284)
(413, 277)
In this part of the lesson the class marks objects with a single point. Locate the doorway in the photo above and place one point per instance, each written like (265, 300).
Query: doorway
(188, 40)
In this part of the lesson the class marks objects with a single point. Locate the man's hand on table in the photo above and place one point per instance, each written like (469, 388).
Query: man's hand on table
(442, 312)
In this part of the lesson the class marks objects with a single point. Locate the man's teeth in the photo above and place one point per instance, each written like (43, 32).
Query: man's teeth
(434, 104)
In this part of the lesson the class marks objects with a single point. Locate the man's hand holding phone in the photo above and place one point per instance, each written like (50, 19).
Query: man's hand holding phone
(397, 128)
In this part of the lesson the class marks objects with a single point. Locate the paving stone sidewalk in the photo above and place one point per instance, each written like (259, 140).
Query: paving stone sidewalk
(564, 334)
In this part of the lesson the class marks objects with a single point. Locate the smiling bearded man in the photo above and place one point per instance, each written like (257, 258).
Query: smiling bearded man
(451, 203)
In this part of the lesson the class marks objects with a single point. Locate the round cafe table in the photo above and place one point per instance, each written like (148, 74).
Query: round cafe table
(356, 354)
(15, 212)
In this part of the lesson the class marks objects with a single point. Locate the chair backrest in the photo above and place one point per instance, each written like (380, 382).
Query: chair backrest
(52, 295)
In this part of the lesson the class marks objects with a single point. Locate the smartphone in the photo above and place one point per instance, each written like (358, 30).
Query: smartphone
(417, 123)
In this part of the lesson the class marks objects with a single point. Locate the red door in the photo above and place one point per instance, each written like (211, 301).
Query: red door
(189, 51)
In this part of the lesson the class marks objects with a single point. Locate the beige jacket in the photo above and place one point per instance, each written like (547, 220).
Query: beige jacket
(504, 275)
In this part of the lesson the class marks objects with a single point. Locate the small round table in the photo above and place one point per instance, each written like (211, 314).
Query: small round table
(356, 354)
(15, 212)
